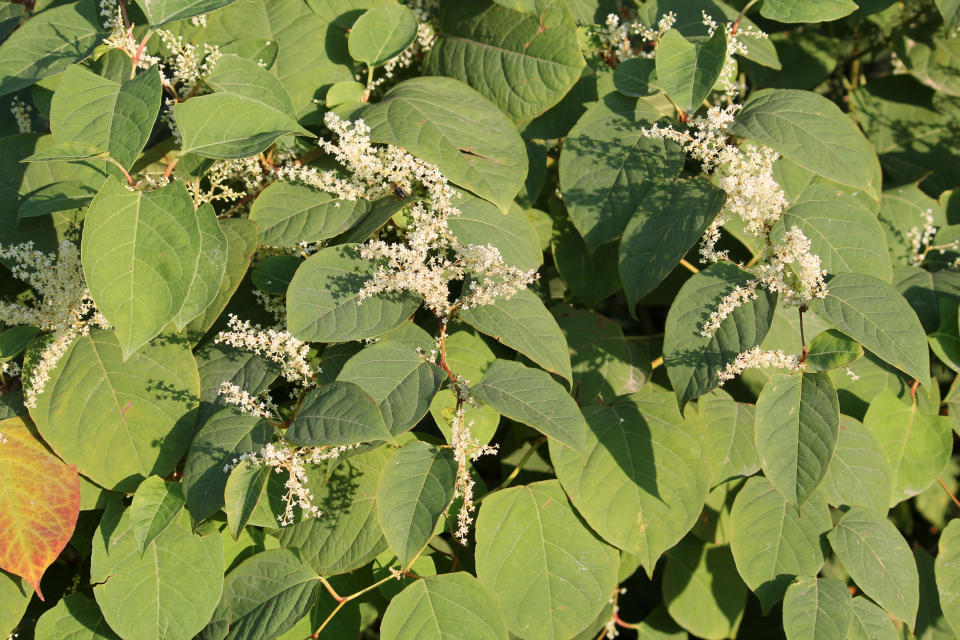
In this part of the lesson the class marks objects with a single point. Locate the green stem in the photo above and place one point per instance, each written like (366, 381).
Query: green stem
(516, 470)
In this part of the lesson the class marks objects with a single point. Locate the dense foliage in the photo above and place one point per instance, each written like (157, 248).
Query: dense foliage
(479, 319)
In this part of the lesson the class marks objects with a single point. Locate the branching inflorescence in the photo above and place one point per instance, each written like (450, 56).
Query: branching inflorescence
(424, 257)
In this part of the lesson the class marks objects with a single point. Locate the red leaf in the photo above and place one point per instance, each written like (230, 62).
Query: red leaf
(39, 503)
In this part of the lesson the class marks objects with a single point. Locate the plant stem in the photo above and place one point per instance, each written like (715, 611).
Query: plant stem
(743, 12)
(949, 493)
(517, 469)
(689, 267)
(124, 171)
(656, 363)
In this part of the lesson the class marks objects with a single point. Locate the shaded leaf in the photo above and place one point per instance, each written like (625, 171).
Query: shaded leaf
(794, 544)
(414, 489)
(640, 482)
(534, 398)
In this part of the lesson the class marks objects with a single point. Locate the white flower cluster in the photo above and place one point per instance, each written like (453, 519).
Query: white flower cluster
(753, 195)
(465, 448)
(64, 308)
(612, 39)
(758, 358)
(121, 37)
(921, 237)
(21, 114)
(187, 63)
(735, 46)
(260, 406)
(109, 11)
(801, 284)
(279, 346)
(744, 173)
(282, 456)
(11, 369)
(429, 256)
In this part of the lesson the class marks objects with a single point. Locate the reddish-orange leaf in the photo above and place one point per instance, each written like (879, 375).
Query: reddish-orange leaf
(39, 503)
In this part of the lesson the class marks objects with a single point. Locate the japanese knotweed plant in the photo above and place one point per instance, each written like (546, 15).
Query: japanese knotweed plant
(490, 319)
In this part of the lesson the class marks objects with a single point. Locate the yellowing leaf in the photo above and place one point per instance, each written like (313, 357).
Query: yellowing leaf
(39, 503)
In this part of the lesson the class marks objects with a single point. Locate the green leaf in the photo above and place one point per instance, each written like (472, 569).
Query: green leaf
(636, 77)
(842, 231)
(287, 214)
(248, 500)
(690, 24)
(143, 409)
(273, 275)
(795, 542)
(254, 127)
(872, 312)
(155, 504)
(730, 427)
(808, 11)
(550, 574)
(666, 225)
(14, 340)
(524, 324)
(140, 254)
(414, 490)
(832, 350)
(398, 379)
(48, 43)
(382, 33)
(323, 302)
(223, 438)
(878, 559)
(14, 598)
(512, 233)
(870, 622)
(812, 131)
(701, 589)
(640, 482)
(211, 268)
(347, 535)
(605, 365)
(692, 360)
(335, 414)
(948, 573)
(608, 167)
(111, 116)
(246, 78)
(58, 196)
(917, 444)
(241, 243)
(75, 617)
(524, 63)
(859, 473)
(453, 606)
(590, 277)
(445, 122)
(798, 417)
(817, 609)
(169, 592)
(160, 12)
(950, 10)
(267, 594)
(534, 398)
(688, 71)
